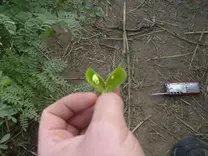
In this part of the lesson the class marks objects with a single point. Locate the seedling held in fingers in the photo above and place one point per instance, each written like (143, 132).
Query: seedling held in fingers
(114, 80)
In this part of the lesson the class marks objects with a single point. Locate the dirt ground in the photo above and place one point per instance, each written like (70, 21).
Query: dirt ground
(160, 51)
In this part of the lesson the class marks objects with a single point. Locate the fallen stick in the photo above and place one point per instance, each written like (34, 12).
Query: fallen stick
(165, 130)
(196, 48)
(141, 123)
(126, 52)
(180, 37)
(116, 39)
(187, 125)
(138, 6)
(174, 34)
(128, 29)
(146, 34)
(158, 133)
(167, 57)
(194, 33)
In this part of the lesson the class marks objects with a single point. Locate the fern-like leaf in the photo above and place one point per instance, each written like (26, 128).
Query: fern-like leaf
(54, 66)
(23, 122)
(35, 79)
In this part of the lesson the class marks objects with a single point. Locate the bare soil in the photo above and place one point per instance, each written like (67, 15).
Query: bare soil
(159, 52)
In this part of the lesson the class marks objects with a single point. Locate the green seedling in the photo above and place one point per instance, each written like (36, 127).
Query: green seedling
(114, 80)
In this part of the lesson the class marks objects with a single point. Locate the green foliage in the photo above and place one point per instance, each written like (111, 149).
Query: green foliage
(93, 11)
(6, 112)
(3, 143)
(4, 139)
(80, 88)
(114, 80)
(29, 80)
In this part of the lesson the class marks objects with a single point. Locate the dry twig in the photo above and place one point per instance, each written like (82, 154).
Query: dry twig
(31, 152)
(125, 40)
(138, 6)
(167, 57)
(158, 133)
(128, 29)
(174, 34)
(202, 107)
(187, 125)
(167, 153)
(180, 37)
(66, 50)
(66, 53)
(196, 48)
(87, 38)
(114, 59)
(96, 60)
(146, 34)
(165, 130)
(141, 123)
(133, 65)
(142, 33)
(195, 33)
(116, 39)
(109, 46)
(168, 23)
(186, 102)
(200, 115)
(201, 134)
(182, 108)
(126, 51)
(140, 84)
(107, 8)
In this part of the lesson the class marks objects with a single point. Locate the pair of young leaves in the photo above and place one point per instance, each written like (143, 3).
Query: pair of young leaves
(114, 80)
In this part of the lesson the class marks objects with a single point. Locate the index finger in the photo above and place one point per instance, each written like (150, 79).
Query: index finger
(57, 115)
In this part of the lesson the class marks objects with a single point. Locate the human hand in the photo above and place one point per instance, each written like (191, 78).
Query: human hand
(83, 124)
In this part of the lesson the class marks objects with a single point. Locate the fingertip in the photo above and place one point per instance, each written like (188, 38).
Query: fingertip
(109, 104)
(84, 98)
(89, 95)
(113, 97)
(92, 96)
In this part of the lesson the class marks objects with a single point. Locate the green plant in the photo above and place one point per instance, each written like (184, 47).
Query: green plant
(3, 140)
(3, 144)
(93, 11)
(29, 78)
(6, 113)
(114, 80)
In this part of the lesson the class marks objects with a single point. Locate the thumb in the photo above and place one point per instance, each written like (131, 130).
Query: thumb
(109, 109)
